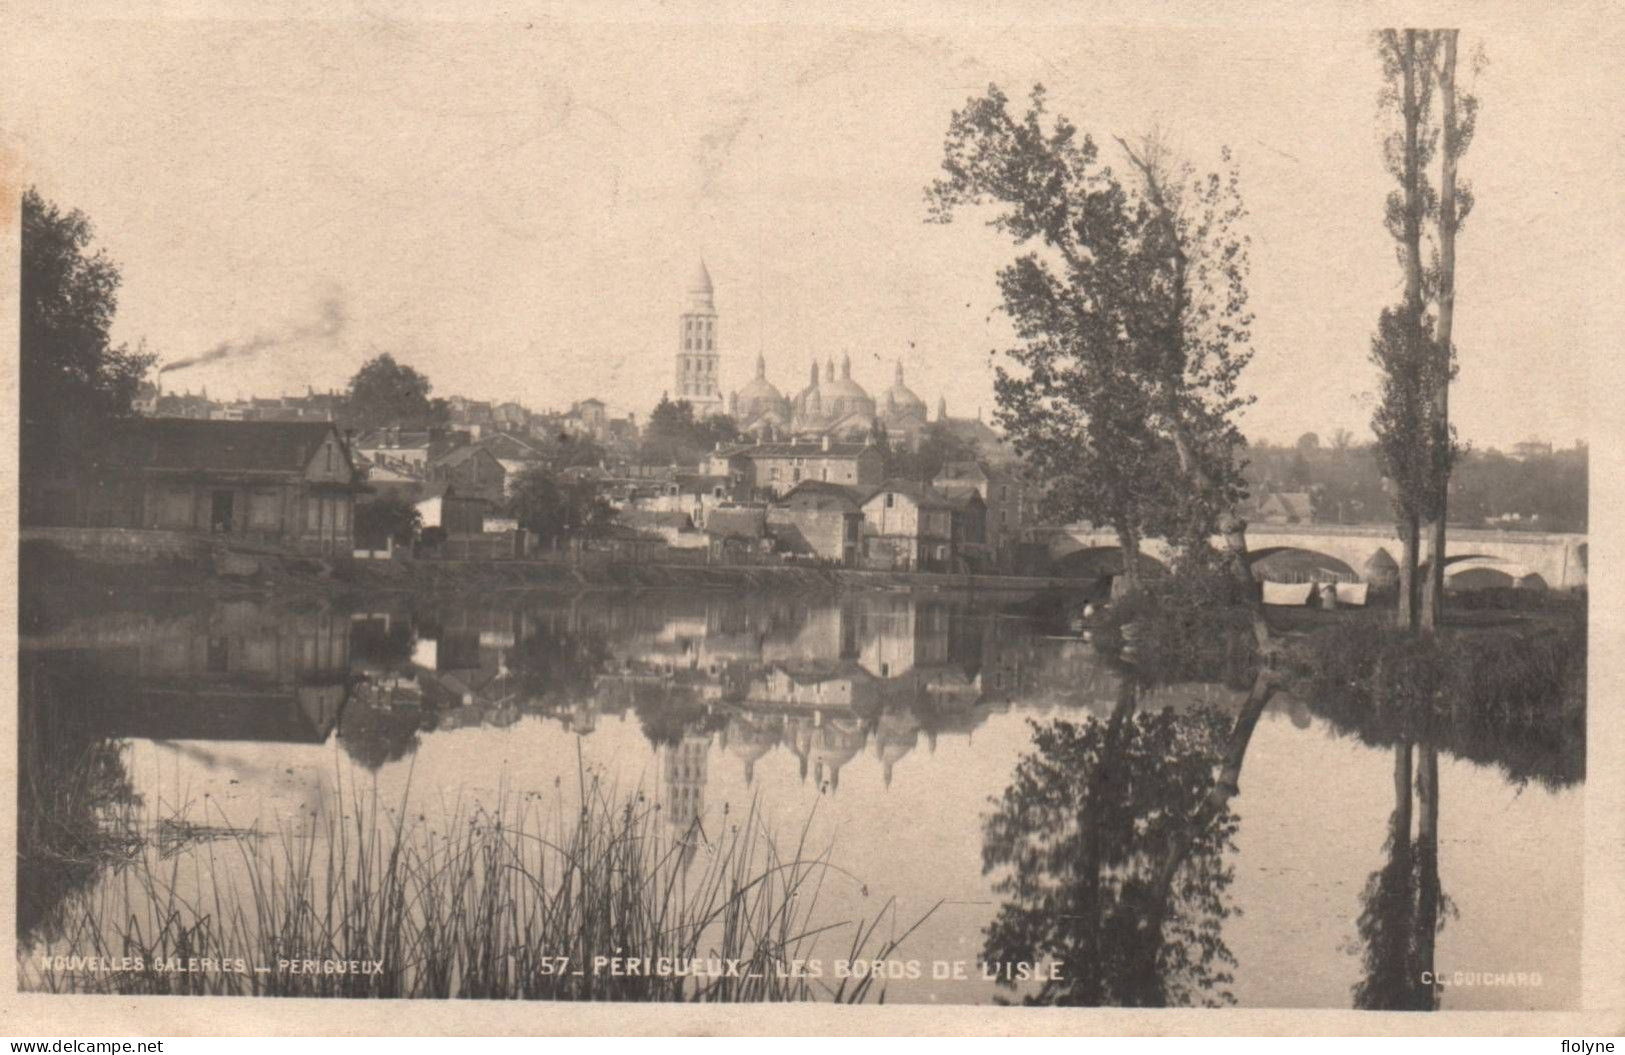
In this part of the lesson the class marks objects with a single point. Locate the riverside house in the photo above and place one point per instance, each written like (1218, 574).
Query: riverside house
(280, 483)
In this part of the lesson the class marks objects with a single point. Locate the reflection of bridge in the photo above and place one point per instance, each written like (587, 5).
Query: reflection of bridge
(1559, 560)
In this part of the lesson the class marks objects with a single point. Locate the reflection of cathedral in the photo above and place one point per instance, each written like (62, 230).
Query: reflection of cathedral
(684, 777)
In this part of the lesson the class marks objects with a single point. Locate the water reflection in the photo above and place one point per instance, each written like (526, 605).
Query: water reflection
(1110, 837)
(1110, 847)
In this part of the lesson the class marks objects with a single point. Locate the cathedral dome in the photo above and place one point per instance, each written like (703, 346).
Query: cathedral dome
(901, 401)
(845, 396)
(760, 395)
(809, 402)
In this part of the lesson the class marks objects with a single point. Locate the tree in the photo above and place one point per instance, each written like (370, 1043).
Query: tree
(1458, 118)
(73, 380)
(1309, 441)
(554, 511)
(1132, 321)
(386, 393)
(388, 516)
(675, 437)
(1413, 345)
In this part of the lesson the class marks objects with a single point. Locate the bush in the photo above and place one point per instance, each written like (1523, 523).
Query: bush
(1193, 626)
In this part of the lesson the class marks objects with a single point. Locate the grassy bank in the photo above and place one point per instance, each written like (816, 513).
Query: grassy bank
(518, 902)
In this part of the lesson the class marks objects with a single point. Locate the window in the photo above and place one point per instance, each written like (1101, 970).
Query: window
(891, 500)
(342, 520)
(773, 473)
(824, 473)
(264, 511)
(795, 474)
(329, 450)
(1004, 492)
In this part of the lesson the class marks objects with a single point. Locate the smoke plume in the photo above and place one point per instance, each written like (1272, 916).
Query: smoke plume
(328, 323)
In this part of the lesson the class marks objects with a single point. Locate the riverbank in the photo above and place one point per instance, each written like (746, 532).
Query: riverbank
(81, 569)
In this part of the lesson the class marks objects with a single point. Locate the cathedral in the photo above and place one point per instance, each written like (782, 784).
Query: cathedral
(830, 405)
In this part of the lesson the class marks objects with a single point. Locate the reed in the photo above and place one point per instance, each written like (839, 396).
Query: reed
(519, 901)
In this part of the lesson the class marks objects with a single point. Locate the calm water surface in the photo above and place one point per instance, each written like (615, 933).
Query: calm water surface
(896, 724)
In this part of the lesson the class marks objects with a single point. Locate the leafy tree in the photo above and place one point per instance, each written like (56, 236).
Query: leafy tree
(1309, 441)
(554, 511)
(387, 393)
(387, 516)
(938, 446)
(73, 380)
(674, 436)
(1132, 318)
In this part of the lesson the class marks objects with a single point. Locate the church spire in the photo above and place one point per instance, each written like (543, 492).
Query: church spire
(761, 365)
(899, 373)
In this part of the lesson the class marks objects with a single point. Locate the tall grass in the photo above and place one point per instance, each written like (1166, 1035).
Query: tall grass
(514, 902)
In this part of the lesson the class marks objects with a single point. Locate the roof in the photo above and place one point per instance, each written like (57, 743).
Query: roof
(459, 455)
(700, 281)
(798, 450)
(651, 518)
(842, 494)
(962, 471)
(736, 523)
(922, 495)
(199, 445)
(699, 483)
(380, 439)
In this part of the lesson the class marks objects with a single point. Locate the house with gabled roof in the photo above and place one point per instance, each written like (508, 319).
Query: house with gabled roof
(281, 483)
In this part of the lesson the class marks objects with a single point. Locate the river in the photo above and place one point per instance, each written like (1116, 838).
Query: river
(887, 728)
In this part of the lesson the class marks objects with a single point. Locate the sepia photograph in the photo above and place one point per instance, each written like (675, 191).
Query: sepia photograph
(745, 509)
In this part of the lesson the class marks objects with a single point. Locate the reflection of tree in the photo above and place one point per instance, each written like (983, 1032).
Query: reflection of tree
(1110, 845)
(73, 794)
(374, 731)
(553, 667)
(1403, 905)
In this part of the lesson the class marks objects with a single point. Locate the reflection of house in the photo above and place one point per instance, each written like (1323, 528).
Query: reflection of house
(237, 675)
(279, 483)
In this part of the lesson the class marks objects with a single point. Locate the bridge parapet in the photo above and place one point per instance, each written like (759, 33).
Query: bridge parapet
(1558, 559)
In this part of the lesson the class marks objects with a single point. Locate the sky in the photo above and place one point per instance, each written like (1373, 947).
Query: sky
(514, 207)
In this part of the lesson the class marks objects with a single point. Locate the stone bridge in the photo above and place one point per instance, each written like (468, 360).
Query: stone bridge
(1526, 558)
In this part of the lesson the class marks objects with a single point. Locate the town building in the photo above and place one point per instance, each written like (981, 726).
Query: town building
(1003, 494)
(819, 520)
(475, 470)
(1284, 507)
(289, 484)
(777, 467)
(907, 526)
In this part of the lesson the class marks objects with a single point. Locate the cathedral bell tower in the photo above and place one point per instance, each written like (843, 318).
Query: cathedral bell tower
(699, 378)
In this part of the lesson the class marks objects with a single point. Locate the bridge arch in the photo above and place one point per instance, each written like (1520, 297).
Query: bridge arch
(1298, 563)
